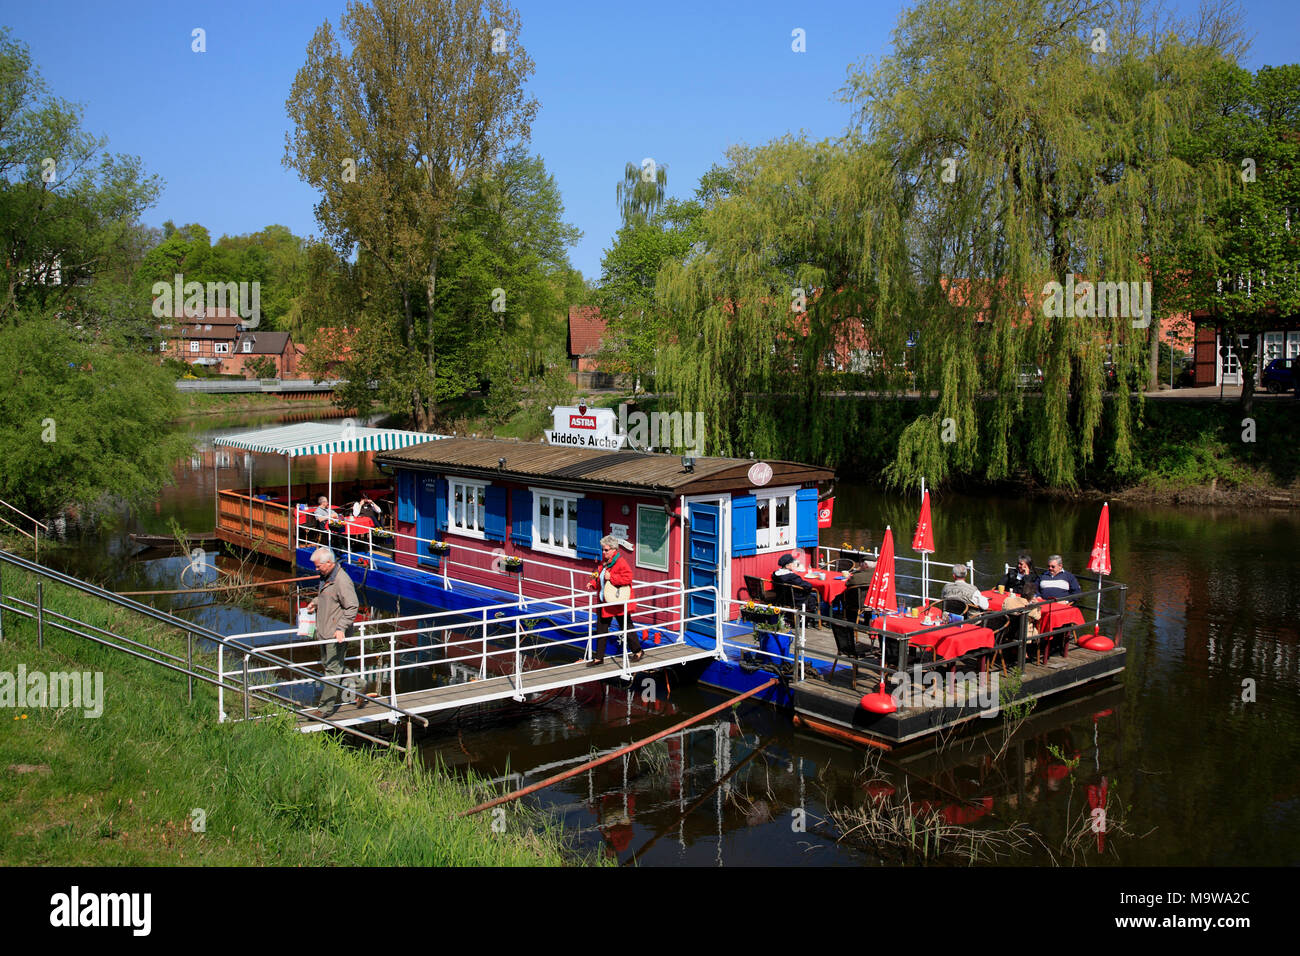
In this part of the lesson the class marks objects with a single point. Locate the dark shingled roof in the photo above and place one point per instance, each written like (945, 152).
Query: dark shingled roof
(590, 468)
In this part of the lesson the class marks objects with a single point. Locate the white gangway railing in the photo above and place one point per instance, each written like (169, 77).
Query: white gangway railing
(466, 638)
(563, 582)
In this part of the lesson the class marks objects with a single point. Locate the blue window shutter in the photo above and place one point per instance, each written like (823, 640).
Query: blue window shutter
(405, 496)
(744, 526)
(805, 511)
(494, 501)
(521, 517)
(440, 505)
(591, 519)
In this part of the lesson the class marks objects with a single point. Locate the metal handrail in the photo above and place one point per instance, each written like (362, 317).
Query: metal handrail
(37, 526)
(170, 621)
(475, 647)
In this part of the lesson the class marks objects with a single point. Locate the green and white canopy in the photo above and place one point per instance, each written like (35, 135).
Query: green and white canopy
(323, 438)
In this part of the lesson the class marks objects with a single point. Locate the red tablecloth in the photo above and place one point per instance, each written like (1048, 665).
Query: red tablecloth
(951, 641)
(1055, 613)
(828, 585)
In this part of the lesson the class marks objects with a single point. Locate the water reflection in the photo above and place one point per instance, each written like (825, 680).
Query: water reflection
(1191, 755)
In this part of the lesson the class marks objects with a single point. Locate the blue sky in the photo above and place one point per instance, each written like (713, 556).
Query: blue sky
(676, 81)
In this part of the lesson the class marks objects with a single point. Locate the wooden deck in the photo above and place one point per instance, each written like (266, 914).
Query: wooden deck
(499, 688)
(836, 702)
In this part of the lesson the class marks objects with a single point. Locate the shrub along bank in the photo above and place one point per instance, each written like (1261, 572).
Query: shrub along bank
(130, 786)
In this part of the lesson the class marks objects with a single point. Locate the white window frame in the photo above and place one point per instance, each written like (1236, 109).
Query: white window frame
(223, 348)
(1276, 341)
(1292, 344)
(194, 345)
(248, 348)
(546, 547)
(768, 534)
(467, 529)
(162, 346)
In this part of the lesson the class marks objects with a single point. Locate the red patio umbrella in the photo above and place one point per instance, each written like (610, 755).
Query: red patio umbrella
(1099, 564)
(923, 541)
(881, 596)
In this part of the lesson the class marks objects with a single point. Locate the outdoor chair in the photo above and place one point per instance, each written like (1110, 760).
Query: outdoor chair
(756, 591)
(848, 646)
(842, 564)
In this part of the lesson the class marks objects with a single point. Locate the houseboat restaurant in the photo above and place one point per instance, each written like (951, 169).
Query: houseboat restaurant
(515, 526)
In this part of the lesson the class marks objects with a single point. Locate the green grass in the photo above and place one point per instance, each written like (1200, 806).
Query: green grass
(121, 789)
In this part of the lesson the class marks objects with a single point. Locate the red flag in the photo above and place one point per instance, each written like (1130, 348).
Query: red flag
(881, 595)
(923, 539)
(1100, 562)
(824, 511)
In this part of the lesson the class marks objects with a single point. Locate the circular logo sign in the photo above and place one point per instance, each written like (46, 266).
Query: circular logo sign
(760, 473)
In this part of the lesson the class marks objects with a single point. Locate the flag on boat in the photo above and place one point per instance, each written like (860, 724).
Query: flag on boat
(824, 511)
(881, 596)
(1100, 561)
(923, 539)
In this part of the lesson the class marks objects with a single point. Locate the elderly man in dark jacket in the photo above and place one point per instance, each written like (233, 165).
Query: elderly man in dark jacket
(336, 608)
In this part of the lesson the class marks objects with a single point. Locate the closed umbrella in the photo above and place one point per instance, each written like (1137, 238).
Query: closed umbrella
(1099, 564)
(883, 597)
(923, 541)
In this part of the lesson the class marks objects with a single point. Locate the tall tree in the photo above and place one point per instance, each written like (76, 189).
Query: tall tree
(68, 209)
(1029, 143)
(1237, 258)
(629, 269)
(428, 94)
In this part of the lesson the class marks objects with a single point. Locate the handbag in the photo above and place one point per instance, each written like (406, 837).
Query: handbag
(613, 594)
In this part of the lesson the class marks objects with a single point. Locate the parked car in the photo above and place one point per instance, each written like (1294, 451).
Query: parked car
(1029, 376)
(1279, 375)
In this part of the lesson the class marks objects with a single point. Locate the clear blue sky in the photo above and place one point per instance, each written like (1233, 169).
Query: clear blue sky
(675, 81)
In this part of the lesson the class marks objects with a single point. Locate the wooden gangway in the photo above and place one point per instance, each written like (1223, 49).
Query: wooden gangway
(472, 692)
(519, 651)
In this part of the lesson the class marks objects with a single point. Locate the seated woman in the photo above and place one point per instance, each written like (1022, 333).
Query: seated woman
(1022, 575)
(365, 507)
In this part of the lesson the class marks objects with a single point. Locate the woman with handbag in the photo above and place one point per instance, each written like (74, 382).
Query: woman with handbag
(612, 580)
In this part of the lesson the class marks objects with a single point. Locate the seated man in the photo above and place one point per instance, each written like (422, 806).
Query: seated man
(1021, 575)
(959, 589)
(324, 514)
(860, 575)
(1058, 584)
(801, 592)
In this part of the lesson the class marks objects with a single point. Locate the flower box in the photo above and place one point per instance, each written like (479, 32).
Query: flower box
(439, 547)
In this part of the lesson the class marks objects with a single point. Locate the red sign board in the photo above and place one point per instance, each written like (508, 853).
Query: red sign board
(824, 511)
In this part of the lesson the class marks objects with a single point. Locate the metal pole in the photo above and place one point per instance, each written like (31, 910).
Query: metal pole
(246, 687)
(40, 614)
(221, 684)
(392, 673)
(2, 619)
(189, 662)
(482, 669)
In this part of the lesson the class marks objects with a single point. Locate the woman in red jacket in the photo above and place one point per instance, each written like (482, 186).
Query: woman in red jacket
(613, 573)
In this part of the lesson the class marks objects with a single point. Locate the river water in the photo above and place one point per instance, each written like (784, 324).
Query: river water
(1187, 760)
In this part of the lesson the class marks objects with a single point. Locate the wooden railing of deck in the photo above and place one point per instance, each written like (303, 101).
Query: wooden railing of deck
(255, 524)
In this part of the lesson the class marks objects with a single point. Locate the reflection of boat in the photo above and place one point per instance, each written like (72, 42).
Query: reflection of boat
(167, 541)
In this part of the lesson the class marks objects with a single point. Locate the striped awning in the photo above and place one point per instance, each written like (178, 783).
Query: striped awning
(323, 438)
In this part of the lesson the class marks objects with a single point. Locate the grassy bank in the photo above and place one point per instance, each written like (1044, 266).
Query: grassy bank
(123, 788)
(203, 403)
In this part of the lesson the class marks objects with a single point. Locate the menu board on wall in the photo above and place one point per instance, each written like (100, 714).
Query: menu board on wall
(651, 538)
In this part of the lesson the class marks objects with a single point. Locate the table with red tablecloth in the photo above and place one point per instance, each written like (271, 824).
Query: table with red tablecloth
(355, 526)
(827, 584)
(951, 641)
(1054, 613)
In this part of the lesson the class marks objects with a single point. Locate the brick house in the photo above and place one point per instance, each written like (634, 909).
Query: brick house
(1274, 337)
(216, 338)
(586, 336)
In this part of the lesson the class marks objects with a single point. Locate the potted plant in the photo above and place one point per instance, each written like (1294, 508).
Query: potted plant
(513, 565)
(759, 614)
(439, 547)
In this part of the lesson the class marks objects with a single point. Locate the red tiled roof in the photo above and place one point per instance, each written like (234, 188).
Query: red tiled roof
(586, 329)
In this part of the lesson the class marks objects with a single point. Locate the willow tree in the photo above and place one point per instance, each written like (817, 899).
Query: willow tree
(1031, 138)
(426, 96)
(776, 281)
